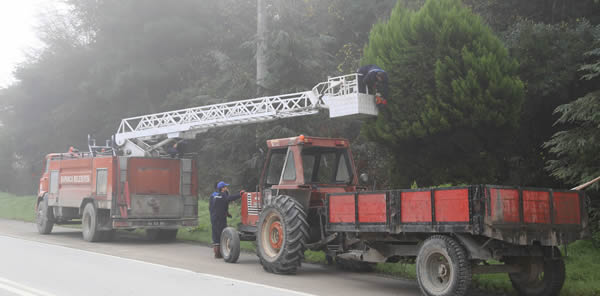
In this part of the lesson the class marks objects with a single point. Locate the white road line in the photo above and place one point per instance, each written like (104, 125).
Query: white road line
(170, 267)
(19, 289)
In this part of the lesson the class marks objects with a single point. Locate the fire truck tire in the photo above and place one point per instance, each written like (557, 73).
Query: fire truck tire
(443, 267)
(540, 277)
(282, 234)
(44, 216)
(230, 245)
(354, 266)
(89, 223)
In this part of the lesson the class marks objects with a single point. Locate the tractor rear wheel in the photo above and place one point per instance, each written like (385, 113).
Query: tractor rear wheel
(44, 216)
(282, 234)
(541, 276)
(443, 267)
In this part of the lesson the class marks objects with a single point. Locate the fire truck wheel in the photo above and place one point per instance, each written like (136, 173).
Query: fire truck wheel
(44, 216)
(354, 266)
(230, 245)
(543, 276)
(443, 267)
(282, 233)
(89, 223)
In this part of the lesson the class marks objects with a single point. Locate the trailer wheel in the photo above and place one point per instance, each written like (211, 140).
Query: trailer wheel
(354, 265)
(443, 268)
(282, 233)
(44, 216)
(543, 277)
(89, 223)
(230, 245)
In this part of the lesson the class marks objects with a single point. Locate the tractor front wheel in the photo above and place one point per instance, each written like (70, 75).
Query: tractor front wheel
(282, 234)
(230, 245)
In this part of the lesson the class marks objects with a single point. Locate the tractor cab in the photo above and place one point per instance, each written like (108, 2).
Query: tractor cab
(304, 168)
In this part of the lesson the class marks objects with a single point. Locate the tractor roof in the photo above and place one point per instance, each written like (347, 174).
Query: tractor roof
(308, 141)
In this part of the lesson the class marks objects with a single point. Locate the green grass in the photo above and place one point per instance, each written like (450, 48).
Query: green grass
(17, 207)
(583, 262)
(583, 273)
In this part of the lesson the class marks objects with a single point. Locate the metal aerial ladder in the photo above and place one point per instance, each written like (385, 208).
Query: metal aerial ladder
(145, 135)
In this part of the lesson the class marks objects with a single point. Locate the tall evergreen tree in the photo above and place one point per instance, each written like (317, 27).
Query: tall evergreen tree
(455, 94)
(576, 148)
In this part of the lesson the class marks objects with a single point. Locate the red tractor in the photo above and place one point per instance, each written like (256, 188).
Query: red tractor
(309, 198)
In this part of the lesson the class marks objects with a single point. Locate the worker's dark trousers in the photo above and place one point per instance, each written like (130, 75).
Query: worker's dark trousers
(362, 87)
(217, 227)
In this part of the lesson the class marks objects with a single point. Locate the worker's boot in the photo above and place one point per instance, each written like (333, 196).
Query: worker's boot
(217, 249)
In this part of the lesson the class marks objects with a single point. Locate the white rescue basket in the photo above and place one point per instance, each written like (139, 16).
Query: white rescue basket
(340, 95)
(353, 104)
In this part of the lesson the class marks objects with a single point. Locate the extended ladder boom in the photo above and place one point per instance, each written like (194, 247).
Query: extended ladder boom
(141, 135)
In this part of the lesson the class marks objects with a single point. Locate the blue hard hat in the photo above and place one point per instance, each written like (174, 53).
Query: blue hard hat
(221, 185)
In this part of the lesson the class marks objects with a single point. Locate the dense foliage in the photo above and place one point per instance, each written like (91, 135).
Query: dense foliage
(576, 148)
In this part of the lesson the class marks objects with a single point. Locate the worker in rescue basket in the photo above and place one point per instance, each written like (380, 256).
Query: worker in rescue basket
(376, 80)
(218, 206)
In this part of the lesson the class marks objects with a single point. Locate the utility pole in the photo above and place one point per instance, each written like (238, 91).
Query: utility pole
(261, 46)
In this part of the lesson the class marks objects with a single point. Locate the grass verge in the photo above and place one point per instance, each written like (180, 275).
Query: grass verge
(17, 207)
(583, 262)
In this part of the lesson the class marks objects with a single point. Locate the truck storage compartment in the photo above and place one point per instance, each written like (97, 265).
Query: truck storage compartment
(154, 187)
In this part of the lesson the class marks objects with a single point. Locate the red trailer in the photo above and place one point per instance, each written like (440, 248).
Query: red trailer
(309, 198)
(106, 192)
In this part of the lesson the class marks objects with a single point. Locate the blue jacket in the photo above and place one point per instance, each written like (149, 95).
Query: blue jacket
(218, 205)
(369, 78)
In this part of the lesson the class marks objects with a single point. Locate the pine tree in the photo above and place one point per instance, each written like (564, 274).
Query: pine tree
(576, 149)
(454, 91)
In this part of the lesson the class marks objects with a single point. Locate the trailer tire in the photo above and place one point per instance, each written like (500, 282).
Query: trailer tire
(89, 223)
(540, 278)
(282, 234)
(230, 245)
(443, 267)
(44, 216)
(354, 265)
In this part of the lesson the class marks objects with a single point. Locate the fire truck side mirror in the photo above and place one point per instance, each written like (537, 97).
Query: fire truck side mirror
(363, 178)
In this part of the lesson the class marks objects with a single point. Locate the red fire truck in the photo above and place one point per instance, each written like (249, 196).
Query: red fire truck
(107, 192)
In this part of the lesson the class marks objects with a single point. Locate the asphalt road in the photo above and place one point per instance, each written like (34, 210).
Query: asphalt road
(63, 264)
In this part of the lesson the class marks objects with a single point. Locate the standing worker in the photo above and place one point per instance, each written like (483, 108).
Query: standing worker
(376, 80)
(219, 211)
